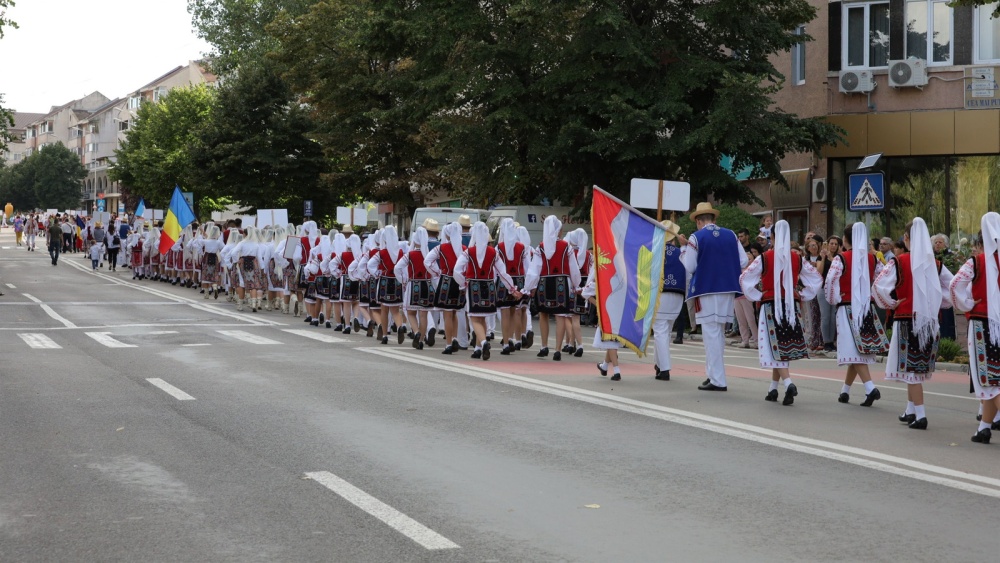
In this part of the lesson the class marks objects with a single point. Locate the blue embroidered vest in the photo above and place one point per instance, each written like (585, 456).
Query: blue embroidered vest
(718, 269)
(674, 274)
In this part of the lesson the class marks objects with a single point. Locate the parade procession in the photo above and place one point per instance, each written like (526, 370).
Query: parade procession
(453, 290)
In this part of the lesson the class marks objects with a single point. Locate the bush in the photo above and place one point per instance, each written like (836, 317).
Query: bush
(948, 349)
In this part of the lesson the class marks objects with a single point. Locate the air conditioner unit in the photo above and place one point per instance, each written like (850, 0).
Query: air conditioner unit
(856, 81)
(819, 190)
(907, 72)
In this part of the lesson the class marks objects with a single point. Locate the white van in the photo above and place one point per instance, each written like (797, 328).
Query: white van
(532, 217)
(445, 215)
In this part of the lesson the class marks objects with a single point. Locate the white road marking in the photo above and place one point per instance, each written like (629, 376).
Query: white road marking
(38, 341)
(10, 285)
(50, 311)
(193, 345)
(247, 337)
(395, 519)
(170, 389)
(161, 332)
(106, 339)
(969, 482)
(314, 335)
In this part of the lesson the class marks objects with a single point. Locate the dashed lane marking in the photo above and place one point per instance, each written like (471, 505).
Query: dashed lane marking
(247, 337)
(38, 341)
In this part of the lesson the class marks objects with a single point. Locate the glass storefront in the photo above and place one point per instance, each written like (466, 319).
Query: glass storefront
(951, 194)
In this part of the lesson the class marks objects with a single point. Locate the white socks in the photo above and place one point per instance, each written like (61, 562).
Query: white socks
(787, 381)
(617, 371)
(604, 366)
(983, 426)
(910, 408)
(774, 386)
(845, 389)
(920, 411)
(869, 386)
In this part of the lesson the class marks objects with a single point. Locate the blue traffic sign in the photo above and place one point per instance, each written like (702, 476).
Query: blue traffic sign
(307, 208)
(866, 192)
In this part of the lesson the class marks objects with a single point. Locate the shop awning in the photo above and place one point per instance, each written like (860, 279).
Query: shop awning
(798, 192)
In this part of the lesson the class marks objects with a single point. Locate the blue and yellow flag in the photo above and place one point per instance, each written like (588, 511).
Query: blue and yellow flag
(178, 216)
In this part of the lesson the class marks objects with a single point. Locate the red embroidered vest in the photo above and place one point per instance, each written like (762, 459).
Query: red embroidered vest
(558, 265)
(904, 286)
(515, 266)
(417, 270)
(447, 259)
(483, 272)
(981, 309)
(767, 279)
(385, 263)
(847, 277)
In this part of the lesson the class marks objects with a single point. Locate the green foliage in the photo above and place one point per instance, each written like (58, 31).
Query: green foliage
(730, 217)
(49, 178)
(948, 349)
(996, 11)
(6, 116)
(157, 153)
(254, 147)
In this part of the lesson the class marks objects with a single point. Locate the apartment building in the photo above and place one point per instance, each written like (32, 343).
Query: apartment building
(95, 126)
(16, 148)
(914, 80)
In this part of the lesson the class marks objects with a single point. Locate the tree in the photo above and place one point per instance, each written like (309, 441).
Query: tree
(157, 152)
(50, 178)
(6, 116)
(254, 146)
(996, 10)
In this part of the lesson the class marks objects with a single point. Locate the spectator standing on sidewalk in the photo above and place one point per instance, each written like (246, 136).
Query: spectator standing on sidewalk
(828, 314)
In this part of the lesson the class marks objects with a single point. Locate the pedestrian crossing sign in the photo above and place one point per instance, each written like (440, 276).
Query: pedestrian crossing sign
(866, 192)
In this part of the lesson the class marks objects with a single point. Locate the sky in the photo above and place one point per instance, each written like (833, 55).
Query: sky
(66, 49)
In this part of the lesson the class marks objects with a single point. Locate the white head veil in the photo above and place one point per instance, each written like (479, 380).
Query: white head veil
(524, 237)
(390, 240)
(420, 240)
(582, 240)
(481, 240)
(508, 235)
(325, 246)
(339, 243)
(861, 285)
(550, 233)
(784, 285)
(453, 236)
(990, 224)
(926, 285)
(354, 242)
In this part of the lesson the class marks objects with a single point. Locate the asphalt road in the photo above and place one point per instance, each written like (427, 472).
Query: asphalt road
(139, 422)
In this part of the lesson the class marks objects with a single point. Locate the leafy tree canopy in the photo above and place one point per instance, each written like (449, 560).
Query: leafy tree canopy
(6, 116)
(49, 178)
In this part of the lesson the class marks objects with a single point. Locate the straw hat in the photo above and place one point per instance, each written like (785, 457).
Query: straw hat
(704, 208)
(465, 220)
(673, 229)
(98, 224)
(346, 230)
(431, 225)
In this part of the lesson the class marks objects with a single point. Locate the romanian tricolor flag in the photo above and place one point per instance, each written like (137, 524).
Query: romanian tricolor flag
(178, 216)
(628, 254)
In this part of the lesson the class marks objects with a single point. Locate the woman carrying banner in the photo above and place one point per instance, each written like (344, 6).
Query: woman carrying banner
(771, 280)
(477, 270)
(976, 290)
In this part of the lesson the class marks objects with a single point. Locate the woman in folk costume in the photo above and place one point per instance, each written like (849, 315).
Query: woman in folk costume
(151, 253)
(671, 298)
(771, 280)
(211, 261)
(185, 266)
(448, 296)
(477, 270)
(173, 258)
(231, 275)
(285, 267)
(358, 272)
(317, 293)
(976, 291)
(381, 266)
(309, 239)
(554, 277)
(339, 244)
(516, 259)
(610, 347)
(418, 291)
(275, 280)
(579, 240)
(349, 289)
(135, 246)
(860, 336)
(523, 317)
(265, 252)
(915, 286)
(251, 270)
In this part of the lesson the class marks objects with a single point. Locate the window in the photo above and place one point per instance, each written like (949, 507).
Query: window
(987, 34)
(91, 147)
(29, 133)
(158, 93)
(929, 30)
(47, 127)
(28, 152)
(134, 102)
(866, 35)
(799, 59)
(123, 125)
(75, 133)
(93, 128)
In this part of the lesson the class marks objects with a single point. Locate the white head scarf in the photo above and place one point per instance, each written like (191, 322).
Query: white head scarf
(926, 285)
(339, 243)
(861, 285)
(508, 236)
(354, 242)
(990, 224)
(481, 240)
(452, 234)
(377, 239)
(524, 237)
(214, 232)
(420, 240)
(325, 246)
(582, 240)
(390, 241)
(550, 233)
(784, 285)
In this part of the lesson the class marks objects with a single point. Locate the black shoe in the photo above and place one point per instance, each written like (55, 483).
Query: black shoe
(844, 398)
(529, 339)
(339, 328)
(447, 350)
(557, 356)
(872, 397)
(477, 354)
(357, 326)
(506, 350)
(430, 336)
(314, 323)
(322, 317)
(486, 351)
(711, 387)
(385, 340)
(616, 377)
(328, 324)
(995, 425)
(663, 375)
(907, 418)
(517, 346)
(490, 337)
(678, 341)
(381, 332)
(602, 370)
(542, 353)
(772, 396)
(454, 345)
(983, 436)
(371, 329)
(790, 392)
(420, 345)
(393, 327)
(578, 353)
(400, 336)
(919, 424)
(416, 339)
(347, 329)
(706, 382)
(567, 348)
(308, 319)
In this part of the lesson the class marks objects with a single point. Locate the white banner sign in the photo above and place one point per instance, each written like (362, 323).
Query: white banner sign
(676, 195)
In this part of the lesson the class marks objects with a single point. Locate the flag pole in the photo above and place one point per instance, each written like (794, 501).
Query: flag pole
(659, 203)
